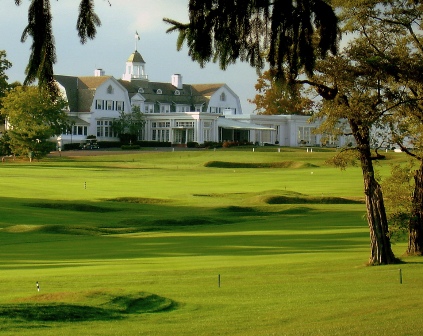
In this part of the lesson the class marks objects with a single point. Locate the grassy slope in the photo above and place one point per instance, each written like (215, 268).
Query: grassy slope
(172, 227)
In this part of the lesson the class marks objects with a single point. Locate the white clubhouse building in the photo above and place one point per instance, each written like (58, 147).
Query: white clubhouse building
(174, 112)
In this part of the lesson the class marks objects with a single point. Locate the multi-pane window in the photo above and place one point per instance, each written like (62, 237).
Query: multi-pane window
(79, 130)
(99, 104)
(104, 128)
(164, 108)
(149, 108)
(182, 108)
(222, 96)
(185, 124)
(120, 105)
(305, 135)
(109, 104)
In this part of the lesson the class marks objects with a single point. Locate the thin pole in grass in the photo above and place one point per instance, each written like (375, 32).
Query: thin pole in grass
(218, 280)
(400, 276)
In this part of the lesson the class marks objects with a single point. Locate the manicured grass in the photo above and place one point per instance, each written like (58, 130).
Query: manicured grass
(135, 245)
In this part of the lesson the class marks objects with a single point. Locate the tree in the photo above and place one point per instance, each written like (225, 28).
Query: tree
(129, 126)
(279, 32)
(33, 118)
(354, 91)
(43, 52)
(277, 97)
(398, 23)
(4, 85)
(4, 65)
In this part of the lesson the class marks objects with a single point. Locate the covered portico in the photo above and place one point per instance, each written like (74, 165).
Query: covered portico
(232, 130)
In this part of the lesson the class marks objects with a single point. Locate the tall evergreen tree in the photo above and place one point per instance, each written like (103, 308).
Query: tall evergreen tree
(279, 32)
(43, 51)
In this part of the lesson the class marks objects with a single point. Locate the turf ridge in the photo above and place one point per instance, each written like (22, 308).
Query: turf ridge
(283, 164)
(44, 308)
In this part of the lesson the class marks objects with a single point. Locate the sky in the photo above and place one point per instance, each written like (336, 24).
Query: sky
(115, 41)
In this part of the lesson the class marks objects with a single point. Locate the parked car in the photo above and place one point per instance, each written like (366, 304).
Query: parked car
(89, 144)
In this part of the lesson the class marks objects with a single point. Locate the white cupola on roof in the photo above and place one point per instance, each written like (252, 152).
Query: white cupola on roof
(177, 81)
(135, 68)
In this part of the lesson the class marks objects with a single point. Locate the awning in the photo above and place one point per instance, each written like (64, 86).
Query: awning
(233, 124)
(77, 121)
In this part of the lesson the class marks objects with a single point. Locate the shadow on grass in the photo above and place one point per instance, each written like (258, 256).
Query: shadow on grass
(118, 307)
(310, 200)
(283, 164)
(71, 206)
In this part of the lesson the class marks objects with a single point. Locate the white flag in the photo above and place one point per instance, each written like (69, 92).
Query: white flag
(137, 36)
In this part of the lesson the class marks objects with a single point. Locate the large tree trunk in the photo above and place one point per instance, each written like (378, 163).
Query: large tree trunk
(380, 244)
(415, 227)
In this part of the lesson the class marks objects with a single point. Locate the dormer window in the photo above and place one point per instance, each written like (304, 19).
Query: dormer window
(140, 90)
(159, 91)
(110, 89)
(223, 96)
(177, 93)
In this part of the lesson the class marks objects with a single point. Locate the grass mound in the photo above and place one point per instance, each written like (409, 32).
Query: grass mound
(161, 224)
(82, 207)
(309, 200)
(56, 312)
(100, 306)
(283, 164)
(138, 200)
(240, 210)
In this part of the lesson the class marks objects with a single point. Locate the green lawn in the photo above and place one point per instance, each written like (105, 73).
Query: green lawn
(135, 244)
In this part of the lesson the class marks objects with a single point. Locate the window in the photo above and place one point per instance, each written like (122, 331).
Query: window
(182, 108)
(159, 91)
(110, 89)
(164, 108)
(79, 130)
(120, 105)
(198, 108)
(140, 90)
(185, 124)
(104, 128)
(148, 108)
(177, 93)
(306, 136)
(109, 105)
(223, 96)
(163, 124)
(206, 134)
(99, 104)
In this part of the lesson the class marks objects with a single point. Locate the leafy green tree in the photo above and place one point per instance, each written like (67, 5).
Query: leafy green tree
(277, 97)
(398, 193)
(395, 45)
(33, 117)
(4, 65)
(129, 126)
(4, 85)
(286, 34)
(354, 91)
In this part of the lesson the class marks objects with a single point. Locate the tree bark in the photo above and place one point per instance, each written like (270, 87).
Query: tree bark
(415, 227)
(380, 244)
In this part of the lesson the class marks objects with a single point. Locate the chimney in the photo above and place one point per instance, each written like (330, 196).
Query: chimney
(177, 81)
(99, 72)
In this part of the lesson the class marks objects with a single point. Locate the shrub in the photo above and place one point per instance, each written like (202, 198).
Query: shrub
(153, 144)
(192, 144)
(70, 146)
